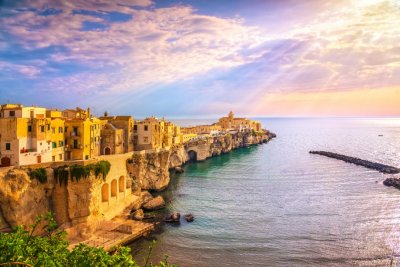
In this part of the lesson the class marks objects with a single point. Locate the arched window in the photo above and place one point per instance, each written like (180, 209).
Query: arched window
(114, 188)
(104, 192)
(121, 183)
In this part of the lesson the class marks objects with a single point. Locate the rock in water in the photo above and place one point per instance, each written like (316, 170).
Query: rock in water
(189, 217)
(179, 170)
(173, 218)
(154, 204)
(138, 215)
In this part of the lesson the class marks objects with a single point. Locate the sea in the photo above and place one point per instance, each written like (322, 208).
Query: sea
(277, 205)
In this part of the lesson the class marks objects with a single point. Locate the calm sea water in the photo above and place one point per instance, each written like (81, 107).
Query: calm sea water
(277, 205)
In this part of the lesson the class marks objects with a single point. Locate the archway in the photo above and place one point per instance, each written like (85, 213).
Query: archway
(114, 188)
(107, 151)
(121, 183)
(192, 155)
(104, 192)
(5, 162)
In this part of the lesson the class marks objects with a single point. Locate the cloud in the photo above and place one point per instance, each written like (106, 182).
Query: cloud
(155, 46)
(121, 49)
(25, 70)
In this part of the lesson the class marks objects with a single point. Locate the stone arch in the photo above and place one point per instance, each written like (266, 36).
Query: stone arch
(121, 184)
(5, 162)
(192, 155)
(114, 188)
(107, 151)
(105, 193)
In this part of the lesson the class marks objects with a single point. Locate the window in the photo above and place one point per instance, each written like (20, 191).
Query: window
(29, 128)
(42, 128)
(76, 131)
(60, 156)
(12, 113)
(54, 144)
(146, 127)
(60, 129)
(48, 127)
(8, 146)
(86, 157)
(65, 129)
(53, 158)
(145, 139)
(60, 143)
(135, 127)
(75, 143)
(53, 130)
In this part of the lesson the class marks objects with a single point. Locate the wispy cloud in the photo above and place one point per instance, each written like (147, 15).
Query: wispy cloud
(128, 49)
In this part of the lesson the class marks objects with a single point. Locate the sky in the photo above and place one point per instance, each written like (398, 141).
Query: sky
(202, 58)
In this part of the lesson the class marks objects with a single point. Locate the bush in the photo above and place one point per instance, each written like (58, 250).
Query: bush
(39, 174)
(22, 248)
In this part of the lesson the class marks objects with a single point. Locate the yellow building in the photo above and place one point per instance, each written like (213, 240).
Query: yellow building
(168, 134)
(177, 137)
(25, 135)
(188, 136)
(82, 135)
(57, 126)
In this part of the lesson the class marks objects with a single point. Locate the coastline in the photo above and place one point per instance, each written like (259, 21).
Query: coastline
(79, 211)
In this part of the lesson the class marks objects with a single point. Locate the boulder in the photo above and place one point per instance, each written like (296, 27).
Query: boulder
(189, 217)
(154, 204)
(173, 218)
(179, 170)
(146, 196)
(138, 215)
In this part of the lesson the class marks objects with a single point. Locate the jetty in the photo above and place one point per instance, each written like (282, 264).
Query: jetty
(365, 163)
(109, 235)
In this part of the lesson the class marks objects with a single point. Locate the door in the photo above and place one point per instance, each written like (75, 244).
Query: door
(5, 162)
(107, 151)
(39, 159)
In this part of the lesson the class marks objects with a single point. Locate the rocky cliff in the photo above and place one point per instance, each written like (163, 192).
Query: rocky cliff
(151, 169)
(22, 199)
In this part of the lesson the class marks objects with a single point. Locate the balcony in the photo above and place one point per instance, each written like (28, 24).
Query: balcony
(29, 150)
(75, 134)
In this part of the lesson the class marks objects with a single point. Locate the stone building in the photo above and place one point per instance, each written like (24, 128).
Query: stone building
(112, 140)
(238, 124)
(147, 134)
(126, 123)
(57, 126)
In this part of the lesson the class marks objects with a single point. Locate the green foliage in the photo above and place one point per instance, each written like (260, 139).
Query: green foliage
(102, 167)
(39, 174)
(23, 248)
(129, 161)
(79, 171)
(61, 175)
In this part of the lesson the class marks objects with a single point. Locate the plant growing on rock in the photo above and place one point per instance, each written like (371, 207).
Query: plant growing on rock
(39, 174)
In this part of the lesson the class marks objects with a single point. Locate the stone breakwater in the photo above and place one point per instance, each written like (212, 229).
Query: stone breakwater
(365, 163)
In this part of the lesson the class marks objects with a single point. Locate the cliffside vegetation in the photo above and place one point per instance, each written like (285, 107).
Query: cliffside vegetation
(39, 174)
(22, 248)
(78, 172)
